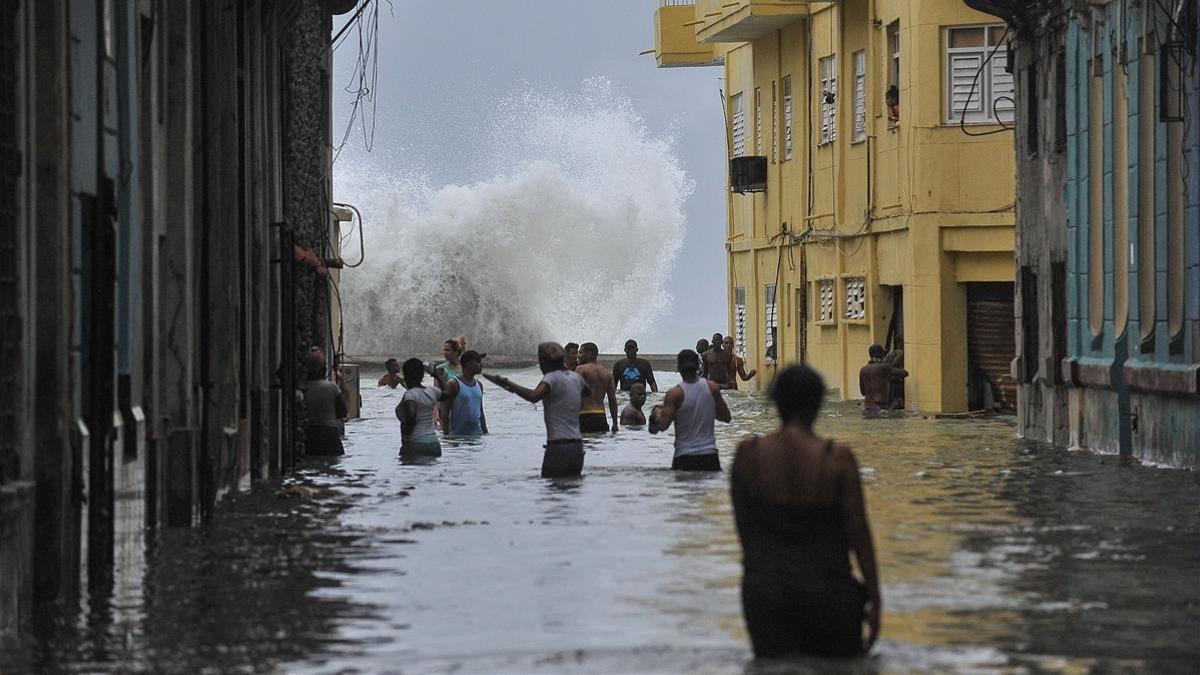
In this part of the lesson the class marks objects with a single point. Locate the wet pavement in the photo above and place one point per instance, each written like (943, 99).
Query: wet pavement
(995, 555)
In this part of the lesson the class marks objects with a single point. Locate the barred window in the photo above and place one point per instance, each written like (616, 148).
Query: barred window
(856, 298)
(825, 301)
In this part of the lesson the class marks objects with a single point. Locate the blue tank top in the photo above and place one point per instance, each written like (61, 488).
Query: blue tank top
(466, 410)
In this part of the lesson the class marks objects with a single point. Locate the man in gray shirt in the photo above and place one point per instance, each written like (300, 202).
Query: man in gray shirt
(561, 392)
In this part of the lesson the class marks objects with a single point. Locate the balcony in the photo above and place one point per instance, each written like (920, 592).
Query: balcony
(745, 20)
(675, 38)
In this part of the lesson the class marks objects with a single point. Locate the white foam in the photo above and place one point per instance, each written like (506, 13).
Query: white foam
(573, 236)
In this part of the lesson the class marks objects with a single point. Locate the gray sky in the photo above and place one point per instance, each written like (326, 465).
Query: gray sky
(443, 64)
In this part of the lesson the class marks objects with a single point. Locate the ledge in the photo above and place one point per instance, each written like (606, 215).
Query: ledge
(1182, 380)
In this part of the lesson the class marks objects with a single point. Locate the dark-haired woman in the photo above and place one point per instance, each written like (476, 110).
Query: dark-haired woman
(800, 514)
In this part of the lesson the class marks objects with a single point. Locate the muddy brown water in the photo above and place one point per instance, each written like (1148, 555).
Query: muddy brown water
(996, 555)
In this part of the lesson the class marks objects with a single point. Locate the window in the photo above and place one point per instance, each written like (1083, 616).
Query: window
(1120, 200)
(825, 301)
(739, 320)
(774, 124)
(787, 117)
(738, 115)
(893, 41)
(978, 90)
(827, 67)
(758, 125)
(860, 96)
(856, 299)
(1032, 108)
(1147, 131)
(1171, 89)
(1096, 196)
(1060, 102)
(771, 314)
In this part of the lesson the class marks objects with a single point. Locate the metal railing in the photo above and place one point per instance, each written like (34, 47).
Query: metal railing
(677, 3)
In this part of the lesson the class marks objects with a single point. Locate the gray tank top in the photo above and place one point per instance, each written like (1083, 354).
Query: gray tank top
(694, 420)
(561, 404)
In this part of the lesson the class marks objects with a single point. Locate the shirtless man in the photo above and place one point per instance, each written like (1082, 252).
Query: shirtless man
(392, 377)
(600, 380)
(718, 363)
(632, 414)
(562, 392)
(738, 367)
(875, 380)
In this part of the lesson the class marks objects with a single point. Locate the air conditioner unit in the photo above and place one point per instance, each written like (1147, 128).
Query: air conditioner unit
(748, 174)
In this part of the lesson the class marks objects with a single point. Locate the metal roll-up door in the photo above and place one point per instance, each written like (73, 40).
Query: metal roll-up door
(991, 344)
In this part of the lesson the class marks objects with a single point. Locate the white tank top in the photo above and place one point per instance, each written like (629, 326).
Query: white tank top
(425, 398)
(561, 404)
(694, 420)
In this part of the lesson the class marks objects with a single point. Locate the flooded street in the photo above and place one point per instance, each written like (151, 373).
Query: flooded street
(995, 556)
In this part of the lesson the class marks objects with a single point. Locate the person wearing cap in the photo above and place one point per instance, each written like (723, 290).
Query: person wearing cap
(693, 405)
(601, 384)
(466, 396)
(631, 369)
(561, 393)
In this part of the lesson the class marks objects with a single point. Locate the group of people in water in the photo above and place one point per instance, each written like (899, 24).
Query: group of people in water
(797, 498)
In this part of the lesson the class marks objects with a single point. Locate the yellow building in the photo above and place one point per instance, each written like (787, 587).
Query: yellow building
(874, 223)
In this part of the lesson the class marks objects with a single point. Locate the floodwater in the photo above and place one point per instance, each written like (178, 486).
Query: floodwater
(995, 556)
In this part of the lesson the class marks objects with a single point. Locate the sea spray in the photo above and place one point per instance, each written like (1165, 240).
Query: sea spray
(572, 238)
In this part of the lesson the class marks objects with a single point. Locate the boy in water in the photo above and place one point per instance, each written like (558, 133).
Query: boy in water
(600, 382)
(392, 377)
(632, 413)
(562, 392)
(875, 381)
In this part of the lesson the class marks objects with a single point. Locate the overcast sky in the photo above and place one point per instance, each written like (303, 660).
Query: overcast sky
(443, 64)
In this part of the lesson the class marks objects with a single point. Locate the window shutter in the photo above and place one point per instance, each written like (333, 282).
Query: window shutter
(963, 66)
(860, 96)
(787, 127)
(1002, 87)
(739, 126)
(758, 125)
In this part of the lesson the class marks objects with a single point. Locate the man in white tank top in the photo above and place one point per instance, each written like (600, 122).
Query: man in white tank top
(561, 392)
(693, 405)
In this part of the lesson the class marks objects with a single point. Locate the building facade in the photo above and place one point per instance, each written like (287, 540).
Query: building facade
(1108, 225)
(165, 187)
(886, 213)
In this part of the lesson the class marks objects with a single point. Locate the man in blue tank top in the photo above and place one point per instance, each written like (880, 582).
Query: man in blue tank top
(466, 397)
(693, 405)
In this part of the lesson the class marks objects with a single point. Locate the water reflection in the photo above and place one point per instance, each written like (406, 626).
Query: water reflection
(995, 555)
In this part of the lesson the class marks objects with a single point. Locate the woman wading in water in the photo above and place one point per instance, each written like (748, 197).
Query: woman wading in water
(450, 369)
(799, 509)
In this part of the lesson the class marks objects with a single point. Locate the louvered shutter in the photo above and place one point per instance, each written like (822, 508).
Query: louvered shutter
(787, 127)
(758, 123)
(739, 126)
(860, 96)
(962, 68)
(1002, 87)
